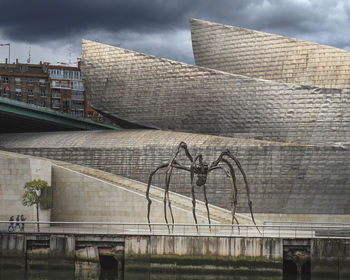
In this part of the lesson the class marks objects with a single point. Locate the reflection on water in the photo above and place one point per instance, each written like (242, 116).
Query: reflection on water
(170, 276)
(37, 274)
(42, 274)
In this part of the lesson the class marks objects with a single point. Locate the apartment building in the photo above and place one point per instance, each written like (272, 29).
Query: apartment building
(27, 83)
(67, 89)
(59, 87)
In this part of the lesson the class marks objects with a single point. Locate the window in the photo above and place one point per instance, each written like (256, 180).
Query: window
(55, 104)
(29, 81)
(77, 105)
(90, 114)
(76, 75)
(55, 84)
(77, 85)
(65, 104)
(42, 92)
(5, 80)
(30, 92)
(66, 74)
(64, 84)
(43, 103)
(78, 113)
(6, 91)
(77, 95)
(56, 93)
(18, 80)
(42, 82)
(30, 101)
(65, 92)
(18, 91)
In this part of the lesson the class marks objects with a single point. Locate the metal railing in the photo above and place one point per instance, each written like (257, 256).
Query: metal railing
(225, 230)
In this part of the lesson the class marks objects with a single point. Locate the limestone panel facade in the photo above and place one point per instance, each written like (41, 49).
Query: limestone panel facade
(14, 173)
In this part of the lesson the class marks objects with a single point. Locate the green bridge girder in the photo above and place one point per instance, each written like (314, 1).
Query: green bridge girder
(21, 117)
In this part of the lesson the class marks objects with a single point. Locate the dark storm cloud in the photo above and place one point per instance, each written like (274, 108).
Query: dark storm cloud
(53, 19)
(159, 27)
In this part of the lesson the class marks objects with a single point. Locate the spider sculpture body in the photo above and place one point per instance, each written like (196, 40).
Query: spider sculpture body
(198, 167)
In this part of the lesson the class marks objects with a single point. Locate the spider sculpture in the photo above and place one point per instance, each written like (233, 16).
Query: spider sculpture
(200, 168)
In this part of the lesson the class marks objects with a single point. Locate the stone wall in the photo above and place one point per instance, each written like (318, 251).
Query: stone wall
(268, 56)
(284, 178)
(14, 173)
(159, 93)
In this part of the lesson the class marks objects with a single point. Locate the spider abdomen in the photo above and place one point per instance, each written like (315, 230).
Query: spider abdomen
(201, 179)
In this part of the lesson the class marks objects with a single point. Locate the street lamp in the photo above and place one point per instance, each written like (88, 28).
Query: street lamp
(8, 44)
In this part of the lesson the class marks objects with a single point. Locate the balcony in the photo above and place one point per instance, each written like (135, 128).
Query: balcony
(62, 84)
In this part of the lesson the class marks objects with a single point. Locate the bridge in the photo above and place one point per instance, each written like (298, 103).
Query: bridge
(21, 117)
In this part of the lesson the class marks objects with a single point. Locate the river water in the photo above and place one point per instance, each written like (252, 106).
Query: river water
(15, 274)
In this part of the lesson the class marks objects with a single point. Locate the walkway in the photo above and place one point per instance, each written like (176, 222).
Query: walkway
(293, 231)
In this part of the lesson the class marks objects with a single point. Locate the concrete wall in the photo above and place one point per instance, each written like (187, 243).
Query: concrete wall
(169, 95)
(330, 259)
(237, 255)
(269, 56)
(14, 173)
(284, 178)
(35, 256)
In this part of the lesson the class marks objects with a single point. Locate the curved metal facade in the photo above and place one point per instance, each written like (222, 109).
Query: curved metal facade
(159, 93)
(268, 56)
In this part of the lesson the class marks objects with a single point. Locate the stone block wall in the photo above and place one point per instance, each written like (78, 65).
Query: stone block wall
(269, 56)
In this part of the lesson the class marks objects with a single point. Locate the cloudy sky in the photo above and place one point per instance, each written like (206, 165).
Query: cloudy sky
(53, 29)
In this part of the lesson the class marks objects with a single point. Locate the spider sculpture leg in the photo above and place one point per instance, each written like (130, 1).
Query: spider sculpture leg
(147, 192)
(234, 194)
(206, 204)
(171, 165)
(234, 190)
(193, 198)
(167, 197)
(182, 145)
(250, 204)
(232, 177)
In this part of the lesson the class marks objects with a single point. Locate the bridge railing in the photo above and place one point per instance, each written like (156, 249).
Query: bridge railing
(280, 230)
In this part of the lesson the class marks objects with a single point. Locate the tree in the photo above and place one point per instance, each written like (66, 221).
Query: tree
(33, 191)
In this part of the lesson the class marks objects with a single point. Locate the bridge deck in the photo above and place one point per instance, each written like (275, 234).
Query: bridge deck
(21, 117)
